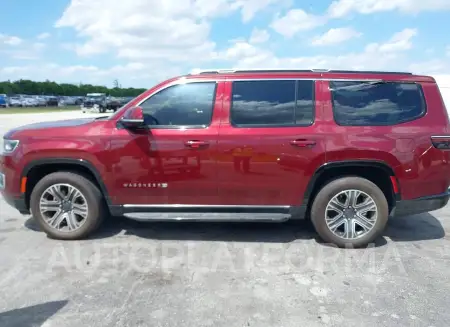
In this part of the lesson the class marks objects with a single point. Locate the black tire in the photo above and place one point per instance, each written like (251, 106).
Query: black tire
(94, 198)
(333, 188)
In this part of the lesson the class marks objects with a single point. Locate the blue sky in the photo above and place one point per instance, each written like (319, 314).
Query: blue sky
(141, 42)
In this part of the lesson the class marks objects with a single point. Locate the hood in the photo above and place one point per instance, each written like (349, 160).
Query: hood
(50, 124)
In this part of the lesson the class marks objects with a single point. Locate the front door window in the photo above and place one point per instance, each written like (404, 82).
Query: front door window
(183, 105)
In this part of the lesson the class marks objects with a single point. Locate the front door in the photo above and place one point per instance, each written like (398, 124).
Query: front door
(269, 145)
(174, 162)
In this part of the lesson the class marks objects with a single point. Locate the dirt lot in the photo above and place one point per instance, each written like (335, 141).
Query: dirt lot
(199, 274)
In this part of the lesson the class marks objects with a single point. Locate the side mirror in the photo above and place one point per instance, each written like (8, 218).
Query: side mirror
(133, 118)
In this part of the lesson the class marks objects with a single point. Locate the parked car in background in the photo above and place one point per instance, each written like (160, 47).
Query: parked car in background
(16, 102)
(346, 149)
(52, 101)
(94, 102)
(30, 101)
(3, 101)
(125, 100)
(42, 101)
(113, 103)
(67, 101)
(78, 100)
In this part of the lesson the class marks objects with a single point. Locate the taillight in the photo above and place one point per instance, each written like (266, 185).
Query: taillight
(441, 142)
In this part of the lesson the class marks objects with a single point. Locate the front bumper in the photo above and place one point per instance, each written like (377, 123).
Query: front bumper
(421, 205)
(9, 185)
(17, 202)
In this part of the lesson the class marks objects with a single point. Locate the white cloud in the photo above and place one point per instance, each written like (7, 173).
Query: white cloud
(29, 51)
(259, 36)
(166, 30)
(43, 36)
(385, 55)
(341, 8)
(170, 31)
(250, 7)
(448, 51)
(335, 35)
(443, 82)
(16, 48)
(296, 20)
(400, 41)
(9, 40)
(68, 46)
(240, 54)
(430, 67)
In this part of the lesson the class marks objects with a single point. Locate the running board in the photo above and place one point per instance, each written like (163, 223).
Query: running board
(208, 216)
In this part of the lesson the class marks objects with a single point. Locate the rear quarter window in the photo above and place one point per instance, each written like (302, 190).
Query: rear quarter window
(376, 104)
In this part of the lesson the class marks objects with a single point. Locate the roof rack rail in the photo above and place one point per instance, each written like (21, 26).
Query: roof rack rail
(243, 71)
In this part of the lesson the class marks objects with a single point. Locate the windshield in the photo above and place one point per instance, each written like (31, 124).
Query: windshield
(94, 98)
(120, 109)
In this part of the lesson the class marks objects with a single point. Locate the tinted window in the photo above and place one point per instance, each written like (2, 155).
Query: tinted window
(272, 103)
(304, 110)
(188, 104)
(365, 103)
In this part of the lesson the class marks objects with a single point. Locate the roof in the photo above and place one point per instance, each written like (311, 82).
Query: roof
(308, 73)
(268, 70)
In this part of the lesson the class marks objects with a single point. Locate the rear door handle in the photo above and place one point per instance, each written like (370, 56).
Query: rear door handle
(195, 144)
(302, 143)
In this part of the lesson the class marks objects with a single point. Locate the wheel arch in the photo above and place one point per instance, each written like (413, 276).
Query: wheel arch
(36, 169)
(381, 174)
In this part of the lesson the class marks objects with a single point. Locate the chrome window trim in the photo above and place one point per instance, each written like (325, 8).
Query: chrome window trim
(178, 82)
(231, 79)
(182, 81)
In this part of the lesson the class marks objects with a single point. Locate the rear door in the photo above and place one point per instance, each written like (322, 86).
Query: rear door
(269, 141)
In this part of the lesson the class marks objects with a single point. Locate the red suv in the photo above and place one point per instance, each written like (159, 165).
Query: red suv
(346, 149)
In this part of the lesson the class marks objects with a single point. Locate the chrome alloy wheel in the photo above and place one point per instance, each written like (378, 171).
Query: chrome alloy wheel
(351, 214)
(63, 207)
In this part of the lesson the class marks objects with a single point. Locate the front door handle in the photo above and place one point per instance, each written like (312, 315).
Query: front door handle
(195, 144)
(302, 143)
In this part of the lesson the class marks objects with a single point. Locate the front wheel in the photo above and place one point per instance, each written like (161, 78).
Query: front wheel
(67, 206)
(350, 212)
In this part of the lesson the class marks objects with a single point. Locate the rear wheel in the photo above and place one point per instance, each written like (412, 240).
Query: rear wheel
(350, 212)
(67, 206)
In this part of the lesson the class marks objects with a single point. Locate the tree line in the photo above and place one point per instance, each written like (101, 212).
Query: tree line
(29, 87)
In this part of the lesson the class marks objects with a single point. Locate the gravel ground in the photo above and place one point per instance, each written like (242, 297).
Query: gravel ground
(203, 274)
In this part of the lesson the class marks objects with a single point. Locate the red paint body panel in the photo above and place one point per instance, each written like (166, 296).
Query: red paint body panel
(420, 168)
(239, 166)
(159, 156)
(259, 166)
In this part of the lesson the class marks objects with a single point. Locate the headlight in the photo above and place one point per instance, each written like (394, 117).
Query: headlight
(8, 146)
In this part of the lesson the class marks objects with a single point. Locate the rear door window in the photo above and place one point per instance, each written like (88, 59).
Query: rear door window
(272, 103)
(376, 103)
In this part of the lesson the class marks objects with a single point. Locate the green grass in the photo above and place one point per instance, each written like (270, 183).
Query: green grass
(36, 110)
